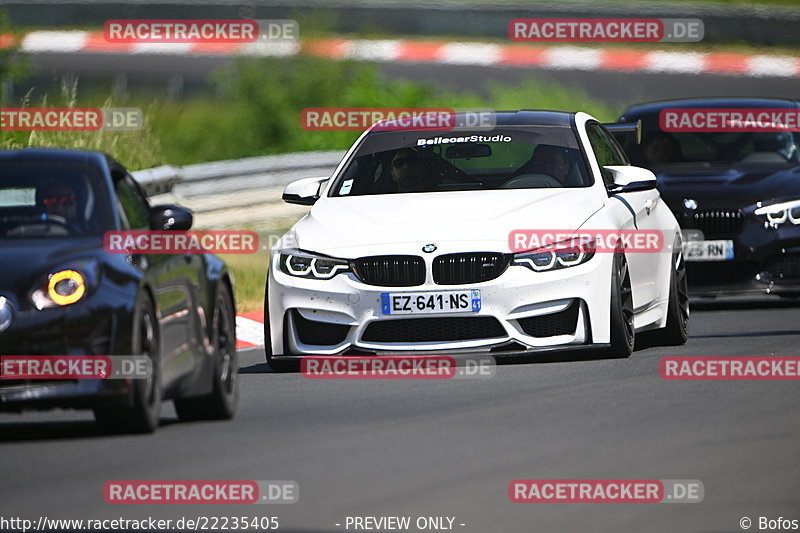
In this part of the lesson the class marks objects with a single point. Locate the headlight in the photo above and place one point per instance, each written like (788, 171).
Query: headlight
(779, 214)
(560, 255)
(65, 286)
(307, 265)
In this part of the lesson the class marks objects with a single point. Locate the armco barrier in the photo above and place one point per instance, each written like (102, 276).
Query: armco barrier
(238, 174)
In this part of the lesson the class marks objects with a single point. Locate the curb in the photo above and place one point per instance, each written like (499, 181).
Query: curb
(250, 329)
(562, 57)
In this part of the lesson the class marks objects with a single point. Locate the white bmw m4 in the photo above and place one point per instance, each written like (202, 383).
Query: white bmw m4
(532, 235)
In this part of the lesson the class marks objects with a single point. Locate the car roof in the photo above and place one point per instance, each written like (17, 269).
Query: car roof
(639, 110)
(75, 157)
(523, 117)
(534, 117)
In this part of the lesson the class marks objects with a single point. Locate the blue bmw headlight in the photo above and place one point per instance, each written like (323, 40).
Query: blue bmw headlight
(781, 214)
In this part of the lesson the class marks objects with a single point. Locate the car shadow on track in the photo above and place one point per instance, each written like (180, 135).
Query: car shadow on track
(750, 334)
(61, 429)
(733, 304)
(258, 368)
(564, 356)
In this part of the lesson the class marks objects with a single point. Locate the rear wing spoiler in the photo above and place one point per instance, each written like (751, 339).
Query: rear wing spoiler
(617, 128)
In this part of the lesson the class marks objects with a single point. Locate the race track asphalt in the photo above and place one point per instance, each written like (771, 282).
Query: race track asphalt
(450, 448)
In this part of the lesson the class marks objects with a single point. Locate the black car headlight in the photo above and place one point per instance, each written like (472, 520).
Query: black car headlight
(777, 215)
(65, 285)
(307, 265)
(560, 255)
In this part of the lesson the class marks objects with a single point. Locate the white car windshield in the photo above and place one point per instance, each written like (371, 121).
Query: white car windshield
(435, 161)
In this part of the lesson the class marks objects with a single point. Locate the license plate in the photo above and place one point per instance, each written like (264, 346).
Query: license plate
(417, 303)
(708, 250)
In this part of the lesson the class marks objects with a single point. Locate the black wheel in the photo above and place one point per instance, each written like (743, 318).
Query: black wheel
(623, 334)
(274, 364)
(145, 411)
(677, 329)
(220, 404)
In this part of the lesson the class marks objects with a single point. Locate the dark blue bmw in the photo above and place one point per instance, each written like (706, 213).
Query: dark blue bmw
(62, 293)
(736, 195)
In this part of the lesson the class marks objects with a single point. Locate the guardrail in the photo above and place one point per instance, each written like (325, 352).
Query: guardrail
(238, 174)
(158, 180)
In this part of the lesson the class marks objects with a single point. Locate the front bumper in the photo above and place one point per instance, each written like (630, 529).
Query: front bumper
(346, 314)
(772, 268)
(96, 326)
(18, 395)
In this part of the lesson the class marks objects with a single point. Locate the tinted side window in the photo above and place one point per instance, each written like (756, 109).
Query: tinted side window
(621, 154)
(605, 149)
(133, 204)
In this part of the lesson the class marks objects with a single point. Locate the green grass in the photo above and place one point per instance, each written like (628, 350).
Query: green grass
(136, 149)
(249, 276)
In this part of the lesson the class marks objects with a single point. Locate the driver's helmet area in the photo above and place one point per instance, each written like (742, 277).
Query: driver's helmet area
(401, 170)
(67, 201)
(414, 170)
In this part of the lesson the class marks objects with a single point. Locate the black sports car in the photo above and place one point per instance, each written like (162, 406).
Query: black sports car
(177, 309)
(737, 195)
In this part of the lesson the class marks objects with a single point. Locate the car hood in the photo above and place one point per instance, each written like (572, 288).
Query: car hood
(464, 220)
(728, 187)
(24, 262)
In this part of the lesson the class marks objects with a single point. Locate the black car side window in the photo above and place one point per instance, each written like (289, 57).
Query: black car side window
(134, 206)
(605, 149)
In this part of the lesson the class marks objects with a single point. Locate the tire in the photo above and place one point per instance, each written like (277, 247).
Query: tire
(274, 364)
(220, 404)
(623, 334)
(676, 331)
(144, 414)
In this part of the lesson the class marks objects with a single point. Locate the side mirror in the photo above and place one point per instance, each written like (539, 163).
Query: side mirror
(619, 129)
(303, 192)
(630, 179)
(170, 218)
